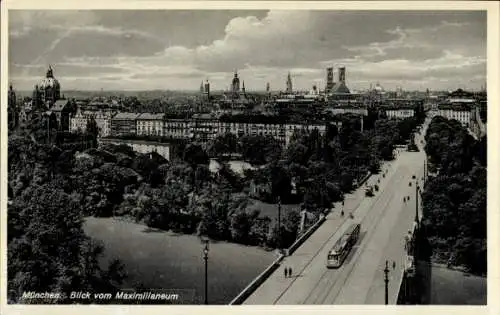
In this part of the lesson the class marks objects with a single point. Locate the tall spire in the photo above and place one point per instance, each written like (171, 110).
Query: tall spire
(289, 87)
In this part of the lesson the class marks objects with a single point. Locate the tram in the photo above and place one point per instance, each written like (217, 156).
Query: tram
(343, 246)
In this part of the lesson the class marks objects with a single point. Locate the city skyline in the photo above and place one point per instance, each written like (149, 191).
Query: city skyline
(131, 50)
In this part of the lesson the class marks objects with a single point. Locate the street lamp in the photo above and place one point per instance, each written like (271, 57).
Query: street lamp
(279, 222)
(205, 257)
(416, 203)
(425, 169)
(386, 280)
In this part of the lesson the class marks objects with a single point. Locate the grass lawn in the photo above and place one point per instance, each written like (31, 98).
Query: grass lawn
(165, 260)
(452, 287)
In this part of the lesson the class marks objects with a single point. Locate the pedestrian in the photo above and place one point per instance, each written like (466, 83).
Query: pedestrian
(393, 264)
(289, 271)
(342, 213)
(286, 272)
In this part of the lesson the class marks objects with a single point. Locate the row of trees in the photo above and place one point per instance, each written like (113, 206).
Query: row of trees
(47, 248)
(455, 200)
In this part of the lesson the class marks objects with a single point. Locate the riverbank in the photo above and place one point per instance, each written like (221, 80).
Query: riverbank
(166, 260)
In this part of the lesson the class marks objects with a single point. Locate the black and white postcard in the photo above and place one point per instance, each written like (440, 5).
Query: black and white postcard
(238, 153)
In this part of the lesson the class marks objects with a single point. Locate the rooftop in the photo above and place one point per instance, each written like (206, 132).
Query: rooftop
(126, 116)
(59, 105)
(149, 116)
(456, 107)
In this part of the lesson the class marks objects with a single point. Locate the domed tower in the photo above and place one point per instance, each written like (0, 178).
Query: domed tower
(49, 88)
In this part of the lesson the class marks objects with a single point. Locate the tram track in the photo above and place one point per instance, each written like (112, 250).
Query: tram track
(341, 274)
(391, 176)
(340, 229)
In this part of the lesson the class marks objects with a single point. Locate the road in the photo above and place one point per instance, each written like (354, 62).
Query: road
(385, 220)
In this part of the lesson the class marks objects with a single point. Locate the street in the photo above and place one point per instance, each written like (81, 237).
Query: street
(385, 220)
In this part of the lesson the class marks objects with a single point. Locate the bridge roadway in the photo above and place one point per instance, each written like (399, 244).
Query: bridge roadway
(385, 220)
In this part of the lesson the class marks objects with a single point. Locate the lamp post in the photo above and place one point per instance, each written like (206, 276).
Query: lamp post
(386, 280)
(416, 203)
(205, 257)
(279, 222)
(425, 170)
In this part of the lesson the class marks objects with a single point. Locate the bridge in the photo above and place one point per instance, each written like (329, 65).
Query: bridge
(385, 223)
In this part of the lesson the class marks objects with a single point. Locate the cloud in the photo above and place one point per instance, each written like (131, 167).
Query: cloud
(263, 46)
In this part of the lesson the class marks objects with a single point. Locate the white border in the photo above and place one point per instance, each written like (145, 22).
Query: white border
(493, 143)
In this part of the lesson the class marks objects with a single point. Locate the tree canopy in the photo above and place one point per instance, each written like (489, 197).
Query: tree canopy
(455, 199)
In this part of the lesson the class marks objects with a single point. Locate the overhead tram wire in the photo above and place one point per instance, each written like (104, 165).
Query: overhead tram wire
(359, 249)
(326, 271)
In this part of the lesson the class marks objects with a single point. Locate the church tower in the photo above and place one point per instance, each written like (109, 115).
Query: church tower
(11, 97)
(289, 87)
(12, 108)
(236, 83)
(342, 75)
(329, 80)
(206, 92)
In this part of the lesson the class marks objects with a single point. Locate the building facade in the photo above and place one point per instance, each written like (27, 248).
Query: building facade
(177, 128)
(102, 118)
(124, 124)
(63, 111)
(150, 124)
(460, 113)
(78, 123)
(399, 113)
(348, 110)
(142, 147)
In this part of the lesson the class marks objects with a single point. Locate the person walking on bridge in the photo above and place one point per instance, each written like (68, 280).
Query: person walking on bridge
(286, 272)
(289, 271)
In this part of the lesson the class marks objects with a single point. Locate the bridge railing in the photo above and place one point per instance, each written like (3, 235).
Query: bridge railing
(249, 289)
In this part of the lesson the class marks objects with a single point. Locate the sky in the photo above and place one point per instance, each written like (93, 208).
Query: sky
(176, 50)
